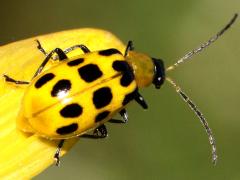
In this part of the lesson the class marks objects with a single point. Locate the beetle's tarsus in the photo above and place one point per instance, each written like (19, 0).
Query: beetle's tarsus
(58, 152)
(9, 79)
(124, 119)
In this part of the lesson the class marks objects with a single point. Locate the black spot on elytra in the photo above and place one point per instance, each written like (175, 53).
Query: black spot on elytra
(109, 52)
(120, 66)
(71, 111)
(44, 79)
(75, 62)
(67, 129)
(126, 79)
(129, 97)
(102, 97)
(90, 72)
(127, 73)
(62, 86)
(101, 116)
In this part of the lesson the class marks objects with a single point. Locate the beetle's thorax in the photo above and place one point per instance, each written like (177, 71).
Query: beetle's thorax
(147, 70)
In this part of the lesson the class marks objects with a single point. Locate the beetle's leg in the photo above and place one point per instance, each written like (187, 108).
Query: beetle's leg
(67, 50)
(99, 132)
(81, 46)
(58, 152)
(140, 100)
(128, 48)
(124, 115)
(61, 55)
(41, 48)
(9, 79)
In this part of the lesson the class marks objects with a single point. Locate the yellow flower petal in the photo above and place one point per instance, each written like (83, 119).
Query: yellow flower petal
(23, 156)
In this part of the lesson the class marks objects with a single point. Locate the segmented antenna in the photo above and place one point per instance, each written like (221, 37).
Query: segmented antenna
(200, 116)
(204, 45)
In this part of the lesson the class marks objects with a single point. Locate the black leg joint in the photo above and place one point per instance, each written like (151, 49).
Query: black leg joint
(124, 115)
(84, 48)
(100, 132)
(140, 100)
(61, 54)
(124, 119)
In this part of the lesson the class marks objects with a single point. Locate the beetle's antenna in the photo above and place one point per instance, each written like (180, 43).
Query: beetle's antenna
(200, 116)
(204, 45)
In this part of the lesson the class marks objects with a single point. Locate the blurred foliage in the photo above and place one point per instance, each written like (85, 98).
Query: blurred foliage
(167, 141)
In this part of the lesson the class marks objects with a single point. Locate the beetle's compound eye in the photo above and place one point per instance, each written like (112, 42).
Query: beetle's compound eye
(159, 72)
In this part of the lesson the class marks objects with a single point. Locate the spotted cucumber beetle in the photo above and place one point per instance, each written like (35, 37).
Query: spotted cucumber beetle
(84, 92)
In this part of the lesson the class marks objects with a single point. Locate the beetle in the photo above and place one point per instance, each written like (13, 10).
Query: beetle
(84, 92)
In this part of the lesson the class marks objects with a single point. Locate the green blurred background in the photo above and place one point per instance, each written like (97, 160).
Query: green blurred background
(167, 141)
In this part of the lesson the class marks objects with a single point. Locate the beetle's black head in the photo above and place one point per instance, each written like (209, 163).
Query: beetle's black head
(159, 72)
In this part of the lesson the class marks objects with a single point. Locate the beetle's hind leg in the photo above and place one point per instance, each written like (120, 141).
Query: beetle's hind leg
(58, 153)
(11, 80)
(99, 132)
